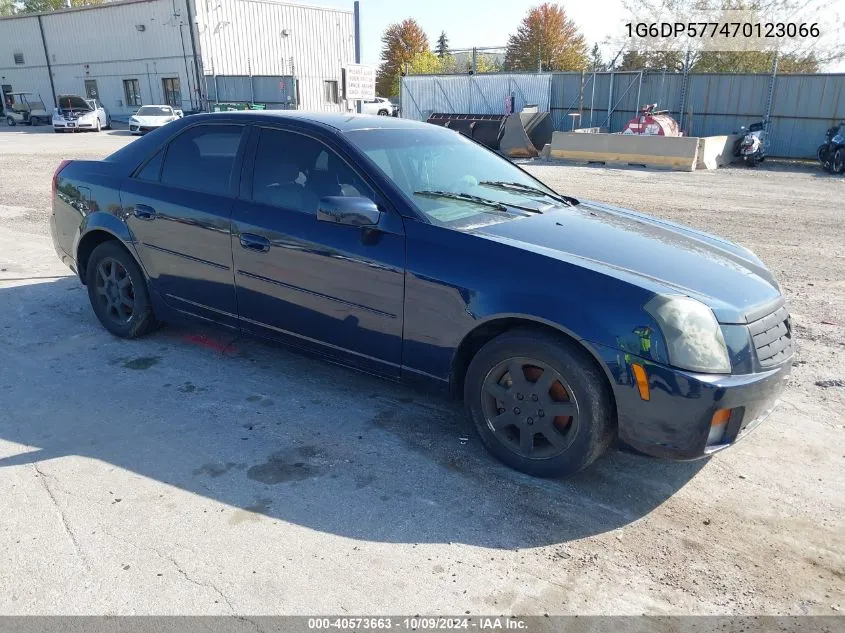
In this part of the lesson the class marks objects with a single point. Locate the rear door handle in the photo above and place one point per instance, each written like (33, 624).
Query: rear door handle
(255, 242)
(144, 212)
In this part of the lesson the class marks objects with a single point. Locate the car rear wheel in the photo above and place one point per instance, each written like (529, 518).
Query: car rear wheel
(98, 125)
(10, 121)
(539, 403)
(118, 292)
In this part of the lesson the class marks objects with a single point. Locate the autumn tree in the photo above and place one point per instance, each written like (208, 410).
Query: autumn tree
(442, 48)
(546, 40)
(400, 43)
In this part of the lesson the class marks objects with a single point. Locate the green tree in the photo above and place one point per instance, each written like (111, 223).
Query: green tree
(596, 62)
(44, 6)
(641, 60)
(7, 7)
(547, 40)
(401, 42)
(754, 62)
(442, 48)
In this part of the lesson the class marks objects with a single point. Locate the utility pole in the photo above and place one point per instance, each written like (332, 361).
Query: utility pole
(357, 19)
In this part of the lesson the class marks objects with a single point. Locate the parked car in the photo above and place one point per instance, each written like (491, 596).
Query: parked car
(379, 106)
(75, 113)
(151, 117)
(831, 153)
(410, 251)
(24, 108)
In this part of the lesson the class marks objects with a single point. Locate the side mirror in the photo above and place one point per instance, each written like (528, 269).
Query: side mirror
(351, 211)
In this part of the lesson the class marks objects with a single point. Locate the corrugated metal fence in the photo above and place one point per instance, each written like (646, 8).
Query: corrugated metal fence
(803, 106)
(472, 94)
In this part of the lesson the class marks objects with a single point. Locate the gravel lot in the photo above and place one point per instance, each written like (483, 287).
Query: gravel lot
(191, 472)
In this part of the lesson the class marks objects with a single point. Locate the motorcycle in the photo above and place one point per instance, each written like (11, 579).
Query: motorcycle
(831, 153)
(751, 145)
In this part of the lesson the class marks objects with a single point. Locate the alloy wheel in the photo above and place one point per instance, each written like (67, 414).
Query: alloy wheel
(530, 408)
(115, 290)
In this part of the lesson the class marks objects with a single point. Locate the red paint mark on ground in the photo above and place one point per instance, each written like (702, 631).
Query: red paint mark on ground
(204, 341)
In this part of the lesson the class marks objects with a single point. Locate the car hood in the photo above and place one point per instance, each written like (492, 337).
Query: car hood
(72, 102)
(664, 256)
(152, 120)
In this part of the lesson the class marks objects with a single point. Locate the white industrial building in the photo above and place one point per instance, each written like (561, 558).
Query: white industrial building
(189, 53)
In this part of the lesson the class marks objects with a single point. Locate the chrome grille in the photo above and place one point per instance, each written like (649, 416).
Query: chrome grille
(772, 336)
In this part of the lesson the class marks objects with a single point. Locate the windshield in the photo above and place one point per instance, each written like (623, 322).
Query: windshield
(451, 179)
(154, 111)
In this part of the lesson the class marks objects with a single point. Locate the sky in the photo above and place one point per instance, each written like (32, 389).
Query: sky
(468, 23)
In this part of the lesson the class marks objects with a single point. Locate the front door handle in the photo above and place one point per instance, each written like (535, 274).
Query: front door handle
(255, 242)
(144, 212)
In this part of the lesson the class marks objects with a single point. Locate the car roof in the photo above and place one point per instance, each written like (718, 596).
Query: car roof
(342, 122)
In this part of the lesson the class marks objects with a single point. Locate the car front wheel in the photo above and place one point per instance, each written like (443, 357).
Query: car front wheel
(539, 403)
(837, 164)
(118, 291)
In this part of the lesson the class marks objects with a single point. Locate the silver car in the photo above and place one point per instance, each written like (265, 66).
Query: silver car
(75, 113)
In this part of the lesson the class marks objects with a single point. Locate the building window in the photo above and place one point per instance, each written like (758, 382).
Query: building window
(91, 89)
(19, 58)
(330, 91)
(172, 92)
(132, 92)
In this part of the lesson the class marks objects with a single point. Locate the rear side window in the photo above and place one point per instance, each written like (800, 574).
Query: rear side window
(152, 169)
(202, 158)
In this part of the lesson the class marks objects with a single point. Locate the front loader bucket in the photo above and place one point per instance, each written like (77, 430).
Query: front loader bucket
(487, 129)
(516, 135)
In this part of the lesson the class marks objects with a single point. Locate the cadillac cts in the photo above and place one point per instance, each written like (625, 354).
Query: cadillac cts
(409, 251)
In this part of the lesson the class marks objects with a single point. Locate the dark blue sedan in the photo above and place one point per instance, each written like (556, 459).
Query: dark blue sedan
(409, 251)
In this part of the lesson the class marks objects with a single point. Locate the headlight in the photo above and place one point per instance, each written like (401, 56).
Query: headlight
(838, 139)
(133, 120)
(694, 339)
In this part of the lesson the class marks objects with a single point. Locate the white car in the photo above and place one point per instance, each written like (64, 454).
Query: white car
(152, 117)
(75, 113)
(380, 106)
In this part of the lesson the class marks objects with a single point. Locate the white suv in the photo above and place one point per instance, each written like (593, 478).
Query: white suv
(380, 106)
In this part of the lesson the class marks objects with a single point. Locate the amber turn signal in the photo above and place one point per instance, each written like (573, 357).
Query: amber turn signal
(720, 417)
(642, 380)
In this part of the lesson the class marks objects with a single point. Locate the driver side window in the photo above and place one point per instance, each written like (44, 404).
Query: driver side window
(293, 171)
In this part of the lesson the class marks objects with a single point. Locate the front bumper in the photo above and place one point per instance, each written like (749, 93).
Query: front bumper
(135, 128)
(675, 422)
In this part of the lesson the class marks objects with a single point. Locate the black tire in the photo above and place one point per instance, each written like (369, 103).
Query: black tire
(108, 123)
(140, 319)
(10, 121)
(383, 113)
(57, 130)
(751, 161)
(821, 152)
(837, 164)
(585, 435)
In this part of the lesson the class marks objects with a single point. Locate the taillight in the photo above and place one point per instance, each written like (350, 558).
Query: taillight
(59, 169)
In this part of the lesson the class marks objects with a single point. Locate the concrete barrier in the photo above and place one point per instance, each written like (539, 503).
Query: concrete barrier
(667, 152)
(715, 151)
